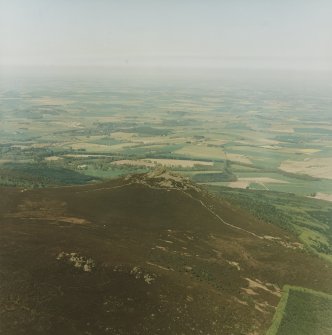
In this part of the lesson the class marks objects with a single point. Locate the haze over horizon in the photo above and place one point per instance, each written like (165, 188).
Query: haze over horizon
(293, 35)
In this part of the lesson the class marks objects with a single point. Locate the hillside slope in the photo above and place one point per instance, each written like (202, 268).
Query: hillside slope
(146, 254)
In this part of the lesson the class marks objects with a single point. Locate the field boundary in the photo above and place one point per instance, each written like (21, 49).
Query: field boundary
(280, 311)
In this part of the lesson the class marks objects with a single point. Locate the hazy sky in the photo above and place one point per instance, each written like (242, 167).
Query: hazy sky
(186, 33)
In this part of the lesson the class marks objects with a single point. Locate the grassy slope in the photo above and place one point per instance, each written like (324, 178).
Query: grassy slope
(309, 219)
(302, 312)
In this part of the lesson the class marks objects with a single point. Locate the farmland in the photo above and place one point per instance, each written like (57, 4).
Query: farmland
(302, 311)
(104, 129)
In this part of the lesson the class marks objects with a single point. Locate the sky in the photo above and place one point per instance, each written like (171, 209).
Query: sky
(283, 34)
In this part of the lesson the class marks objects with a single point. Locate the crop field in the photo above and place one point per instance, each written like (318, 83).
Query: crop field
(275, 143)
(302, 312)
(315, 167)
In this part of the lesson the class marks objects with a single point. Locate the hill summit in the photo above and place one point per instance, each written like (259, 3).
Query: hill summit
(146, 254)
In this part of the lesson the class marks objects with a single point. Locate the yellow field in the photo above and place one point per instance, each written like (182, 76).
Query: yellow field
(323, 196)
(245, 182)
(53, 158)
(315, 167)
(203, 151)
(99, 148)
(51, 101)
(165, 162)
(282, 128)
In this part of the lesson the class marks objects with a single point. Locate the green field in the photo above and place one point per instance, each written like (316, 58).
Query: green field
(302, 312)
(257, 133)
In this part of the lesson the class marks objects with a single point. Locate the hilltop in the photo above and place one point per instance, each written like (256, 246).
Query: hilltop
(146, 254)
